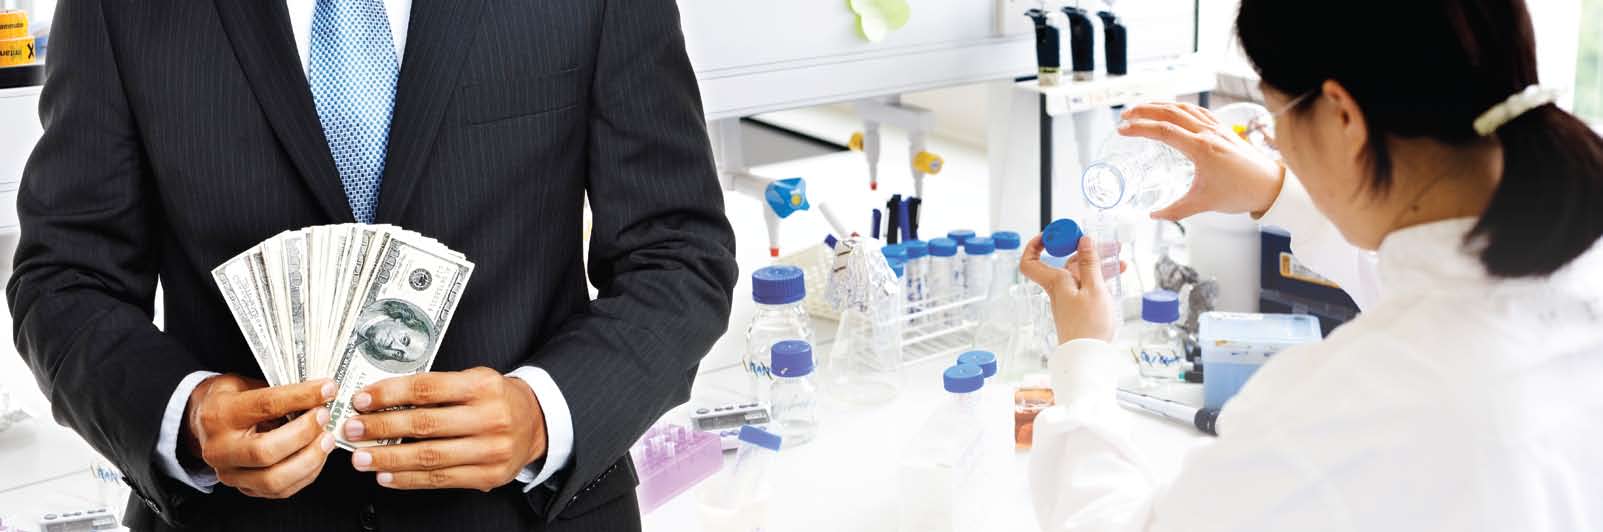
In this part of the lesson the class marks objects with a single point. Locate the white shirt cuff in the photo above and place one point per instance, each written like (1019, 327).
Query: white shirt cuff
(202, 478)
(558, 426)
(1085, 368)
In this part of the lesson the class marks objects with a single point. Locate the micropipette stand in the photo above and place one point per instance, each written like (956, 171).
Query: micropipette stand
(780, 197)
(918, 122)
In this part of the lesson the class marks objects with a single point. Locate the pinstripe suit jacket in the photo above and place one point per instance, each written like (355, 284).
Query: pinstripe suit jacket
(179, 132)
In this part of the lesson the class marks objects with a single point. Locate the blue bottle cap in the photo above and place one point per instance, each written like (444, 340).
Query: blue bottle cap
(760, 437)
(1005, 239)
(916, 248)
(1061, 237)
(893, 250)
(778, 285)
(963, 378)
(979, 246)
(943, 247)
(898, 265)
(792, 358)
(985, 360)
(960, 235)
(1160, 306)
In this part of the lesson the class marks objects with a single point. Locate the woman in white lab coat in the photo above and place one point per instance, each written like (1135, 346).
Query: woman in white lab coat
(1463, 213)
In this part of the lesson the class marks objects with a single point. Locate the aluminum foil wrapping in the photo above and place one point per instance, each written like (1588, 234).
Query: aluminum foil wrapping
(860, 275)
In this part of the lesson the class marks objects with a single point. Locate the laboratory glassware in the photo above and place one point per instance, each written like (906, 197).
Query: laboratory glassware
(1136, 173)
(778, 292)
(1161, 348)
(795, 398)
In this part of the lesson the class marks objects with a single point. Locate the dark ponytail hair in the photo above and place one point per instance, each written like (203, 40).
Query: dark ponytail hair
(1427, 69)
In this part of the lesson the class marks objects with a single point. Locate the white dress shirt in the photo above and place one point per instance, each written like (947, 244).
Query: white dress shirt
(1455, 401)
(558, 419)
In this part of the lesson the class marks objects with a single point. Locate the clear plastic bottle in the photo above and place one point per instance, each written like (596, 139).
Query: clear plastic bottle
(1161, 350)
(1008, 254)
(979, 265)
(794, 396)
(961, 237)
(915, 273)
(1136, 173)
(994, 425)
(944, 284)
(935, 474)
(778, 292)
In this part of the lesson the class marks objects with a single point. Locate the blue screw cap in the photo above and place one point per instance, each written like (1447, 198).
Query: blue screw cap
(792, 358)
(760, 437)
(963, 378)
(960, 235)
(985, 360)
(943, 247)
(1061, 237)
(979, 246)
(1006, 239)
(778, 285)
(893, 250)
(916, 248)
(1160, 306)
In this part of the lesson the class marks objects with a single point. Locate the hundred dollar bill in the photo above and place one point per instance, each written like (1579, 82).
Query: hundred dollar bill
(239, 292)
(401, 315)
(294, 260)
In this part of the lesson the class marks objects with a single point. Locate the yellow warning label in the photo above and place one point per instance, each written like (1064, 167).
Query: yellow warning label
(15, 52)
(1291, 269)
(13, 24)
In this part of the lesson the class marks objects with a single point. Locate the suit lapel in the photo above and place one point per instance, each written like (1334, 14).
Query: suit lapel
(437, 41)
(259, 31)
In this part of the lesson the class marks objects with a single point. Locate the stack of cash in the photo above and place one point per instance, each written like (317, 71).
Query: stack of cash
(352, 302)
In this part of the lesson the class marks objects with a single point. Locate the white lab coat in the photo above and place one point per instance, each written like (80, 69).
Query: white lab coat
(1455, 401)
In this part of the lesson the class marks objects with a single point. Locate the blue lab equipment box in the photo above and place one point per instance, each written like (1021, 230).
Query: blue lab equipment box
(1289, 287)
(1235, 344)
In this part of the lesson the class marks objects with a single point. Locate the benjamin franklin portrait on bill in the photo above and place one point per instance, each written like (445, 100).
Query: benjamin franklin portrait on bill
(393, 335)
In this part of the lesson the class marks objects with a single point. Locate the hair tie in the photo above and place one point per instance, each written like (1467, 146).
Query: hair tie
(1518, 104)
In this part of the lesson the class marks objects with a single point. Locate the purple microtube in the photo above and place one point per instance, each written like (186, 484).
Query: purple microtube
(671, 459)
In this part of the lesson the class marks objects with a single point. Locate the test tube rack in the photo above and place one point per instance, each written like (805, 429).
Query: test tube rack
(937, 328)
(670, 459)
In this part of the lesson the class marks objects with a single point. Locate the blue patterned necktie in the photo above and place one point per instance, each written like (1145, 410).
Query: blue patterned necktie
(353, 71)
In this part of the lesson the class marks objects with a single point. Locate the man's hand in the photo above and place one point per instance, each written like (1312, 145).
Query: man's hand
(1081, 305)
(477, 430)
(236, 426)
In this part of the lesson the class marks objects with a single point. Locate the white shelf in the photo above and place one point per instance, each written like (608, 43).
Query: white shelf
(1153, 83)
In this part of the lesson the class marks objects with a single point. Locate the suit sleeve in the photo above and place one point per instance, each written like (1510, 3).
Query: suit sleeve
(85, 269)
(661, 250)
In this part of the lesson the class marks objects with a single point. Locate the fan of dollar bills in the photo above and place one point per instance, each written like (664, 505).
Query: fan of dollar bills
(353, 302)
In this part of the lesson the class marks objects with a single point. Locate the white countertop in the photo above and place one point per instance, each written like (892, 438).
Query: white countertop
(845, 479)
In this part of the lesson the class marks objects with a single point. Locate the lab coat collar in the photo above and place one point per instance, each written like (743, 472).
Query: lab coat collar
(1436, 256)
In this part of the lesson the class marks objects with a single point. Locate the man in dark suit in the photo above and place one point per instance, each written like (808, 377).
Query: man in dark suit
(178, 133)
